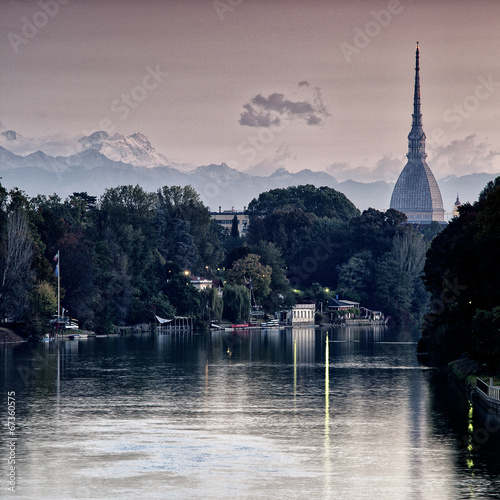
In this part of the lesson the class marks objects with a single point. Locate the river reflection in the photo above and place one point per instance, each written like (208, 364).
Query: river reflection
(344, 413)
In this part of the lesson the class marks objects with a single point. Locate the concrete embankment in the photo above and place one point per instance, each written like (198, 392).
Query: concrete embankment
(466, 372)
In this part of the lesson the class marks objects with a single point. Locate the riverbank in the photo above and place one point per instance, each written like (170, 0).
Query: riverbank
(466, 371)
(8, 336)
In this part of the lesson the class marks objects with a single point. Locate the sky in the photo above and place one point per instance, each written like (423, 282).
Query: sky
(259, 85)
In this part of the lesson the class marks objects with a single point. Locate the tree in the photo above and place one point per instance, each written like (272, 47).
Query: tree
(211, 305)
(249, 271)
(322, 202)
(235, 233)
(43, 305)
(289, 228)
(236, 303)
(281, 294)
(183, 203)
(183, 296)
(16, 254)
(355, 277)
(462, 272)
(392, 292)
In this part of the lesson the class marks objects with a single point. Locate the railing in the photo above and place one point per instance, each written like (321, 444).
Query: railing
(490, 390)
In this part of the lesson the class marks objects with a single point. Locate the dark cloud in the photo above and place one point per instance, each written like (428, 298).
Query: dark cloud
(264, 111)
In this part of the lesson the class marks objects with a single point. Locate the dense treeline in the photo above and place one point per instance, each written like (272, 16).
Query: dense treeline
(374, 257)
(129, 255)
(462, 272)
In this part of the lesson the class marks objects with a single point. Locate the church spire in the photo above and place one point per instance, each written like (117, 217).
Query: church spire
(416, 138)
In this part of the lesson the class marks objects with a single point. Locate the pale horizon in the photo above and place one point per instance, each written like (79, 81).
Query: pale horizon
(325, 86)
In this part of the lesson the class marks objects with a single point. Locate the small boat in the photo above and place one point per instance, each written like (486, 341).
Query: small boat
(77, 336)
(274, 323)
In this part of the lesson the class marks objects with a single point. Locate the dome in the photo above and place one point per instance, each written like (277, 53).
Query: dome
(416, 192)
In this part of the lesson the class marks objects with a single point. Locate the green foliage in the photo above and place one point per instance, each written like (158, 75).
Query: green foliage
(462, 273)
(183, 296)
(281, 294)
(43, 304)
(355, 277)
(249, 271)
(211, 305)
(124, 256)
(393, 290)
(322, 202)
(16, 257)
(235, 233)
(486, 335)
(162, 306)
(236, 303)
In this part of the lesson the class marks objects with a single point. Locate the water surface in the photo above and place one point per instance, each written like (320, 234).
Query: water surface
(349, 413)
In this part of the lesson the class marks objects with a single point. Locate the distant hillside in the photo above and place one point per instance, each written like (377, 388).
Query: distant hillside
(111, 161)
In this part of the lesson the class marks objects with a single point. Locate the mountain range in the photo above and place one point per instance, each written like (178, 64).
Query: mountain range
(105, 161)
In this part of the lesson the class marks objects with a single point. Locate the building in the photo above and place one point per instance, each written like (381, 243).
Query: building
(200, 283)
(342, 305)
(299, 314)
(225, 219)
(456, 206)
(416, 192)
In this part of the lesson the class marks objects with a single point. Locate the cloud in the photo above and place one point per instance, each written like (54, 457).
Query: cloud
(53, 145)
(275, 109)
(463, 157)
(271, 163)
(386, 169)
(460, 157)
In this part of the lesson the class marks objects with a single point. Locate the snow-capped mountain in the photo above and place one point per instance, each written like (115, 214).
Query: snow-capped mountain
(107, 162)
(132, 149)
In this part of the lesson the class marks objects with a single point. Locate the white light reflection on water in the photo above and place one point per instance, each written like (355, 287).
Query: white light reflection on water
(348, 414)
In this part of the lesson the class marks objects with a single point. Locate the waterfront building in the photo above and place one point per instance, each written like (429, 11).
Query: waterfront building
(201, 283)
(299, 314)
(416, 192)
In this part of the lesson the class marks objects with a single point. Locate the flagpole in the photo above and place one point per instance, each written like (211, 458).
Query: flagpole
(58, 287)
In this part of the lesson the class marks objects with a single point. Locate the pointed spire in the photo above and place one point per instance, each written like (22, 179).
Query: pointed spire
(416, 138)
(417, 115)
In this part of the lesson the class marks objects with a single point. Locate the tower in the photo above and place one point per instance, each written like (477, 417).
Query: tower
(416, 192)
(456, 206)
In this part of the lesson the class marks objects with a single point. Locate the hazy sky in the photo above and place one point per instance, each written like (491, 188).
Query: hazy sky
(324, 85)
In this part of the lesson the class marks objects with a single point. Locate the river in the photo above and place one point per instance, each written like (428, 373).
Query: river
(348, 413)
